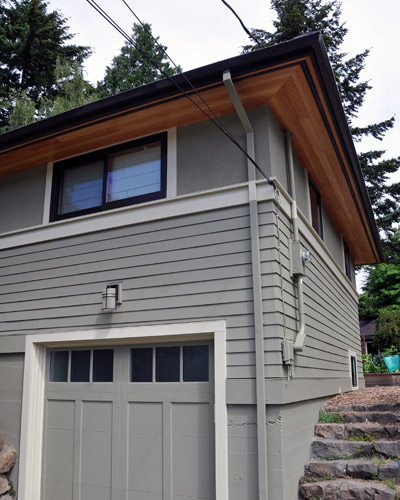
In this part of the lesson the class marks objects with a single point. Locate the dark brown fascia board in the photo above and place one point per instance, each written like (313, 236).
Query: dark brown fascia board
(311, 45)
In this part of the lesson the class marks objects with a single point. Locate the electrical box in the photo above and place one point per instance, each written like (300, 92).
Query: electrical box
(287, 352)
(299, 257)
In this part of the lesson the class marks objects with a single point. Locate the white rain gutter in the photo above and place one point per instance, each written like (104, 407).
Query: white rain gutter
(297, 252)
(257, 296)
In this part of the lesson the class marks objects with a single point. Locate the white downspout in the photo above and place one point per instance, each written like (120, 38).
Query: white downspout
(301, 335)
(257, 296)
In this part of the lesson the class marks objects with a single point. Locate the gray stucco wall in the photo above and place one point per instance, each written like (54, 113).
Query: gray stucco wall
(21, 199)
(208, 159)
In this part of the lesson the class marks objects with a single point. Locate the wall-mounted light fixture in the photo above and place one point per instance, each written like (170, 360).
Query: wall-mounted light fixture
(111, 297)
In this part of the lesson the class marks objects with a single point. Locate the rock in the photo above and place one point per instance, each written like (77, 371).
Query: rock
(389, 470)
(388, 448)
(362, 469)
(4, 486)
(319, 469)
(7, 497)
(315, 490)
(8, 457)
(349, 490)
(330, 431)
(340, 449)
(1, 441)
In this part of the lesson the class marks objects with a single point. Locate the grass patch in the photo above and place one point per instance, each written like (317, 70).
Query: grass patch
(326, 477)
(390, 483)
(362, 437)
(378, 460)
(329, 418)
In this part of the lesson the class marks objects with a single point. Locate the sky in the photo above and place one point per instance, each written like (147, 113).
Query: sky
(198, 33)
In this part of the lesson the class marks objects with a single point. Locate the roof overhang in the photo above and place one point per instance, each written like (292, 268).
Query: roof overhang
(293, 78)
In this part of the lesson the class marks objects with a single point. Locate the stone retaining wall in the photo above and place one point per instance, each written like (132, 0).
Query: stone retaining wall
(8, 456)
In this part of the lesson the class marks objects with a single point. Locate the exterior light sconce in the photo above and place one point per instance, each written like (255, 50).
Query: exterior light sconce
(111, 297)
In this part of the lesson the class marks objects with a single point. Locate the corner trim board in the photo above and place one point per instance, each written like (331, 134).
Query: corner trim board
(34, 383)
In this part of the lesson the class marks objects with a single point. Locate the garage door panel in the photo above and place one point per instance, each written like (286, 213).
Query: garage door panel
(96, 454)
(59, 466)
(190, 419)
(94, 492)
(60, 414)
(192, 448)
(57, 489)
(145, 448)
(191, 467)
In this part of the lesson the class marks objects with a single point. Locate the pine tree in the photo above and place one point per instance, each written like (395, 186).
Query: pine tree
(297, 17)
(131, 69)
(31, 42)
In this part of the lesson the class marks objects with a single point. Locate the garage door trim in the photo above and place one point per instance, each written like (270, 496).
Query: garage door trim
(29, 483)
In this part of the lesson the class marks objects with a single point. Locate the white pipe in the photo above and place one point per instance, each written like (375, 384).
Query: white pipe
(257, 295)
(300, 335)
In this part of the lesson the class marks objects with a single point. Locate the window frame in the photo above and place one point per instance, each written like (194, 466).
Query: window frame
(104, 155)
(347, 261)
(320, 226)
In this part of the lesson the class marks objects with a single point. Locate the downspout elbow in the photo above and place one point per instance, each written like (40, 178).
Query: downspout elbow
(301, 334)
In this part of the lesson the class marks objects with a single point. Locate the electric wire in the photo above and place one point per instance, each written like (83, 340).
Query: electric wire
(242, 24)
(217, 122)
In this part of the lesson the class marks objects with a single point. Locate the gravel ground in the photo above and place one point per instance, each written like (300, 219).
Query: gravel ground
(369, 395)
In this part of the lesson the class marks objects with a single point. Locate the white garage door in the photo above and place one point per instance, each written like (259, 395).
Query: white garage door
(129, 423)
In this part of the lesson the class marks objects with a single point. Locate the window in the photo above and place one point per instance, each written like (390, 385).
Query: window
(115, 177)
(353, 367)
(169, 364)
(347, 261)
(82, 366)
(316, 209)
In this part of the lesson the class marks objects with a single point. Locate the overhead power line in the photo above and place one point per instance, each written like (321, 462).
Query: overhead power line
(242, 24)
(214, 118)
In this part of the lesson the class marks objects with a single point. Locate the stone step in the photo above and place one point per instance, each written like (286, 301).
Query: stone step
(363, 468)
(390, 407)
(382, 417)
(361, 431)
(335, 449)
(346, 489)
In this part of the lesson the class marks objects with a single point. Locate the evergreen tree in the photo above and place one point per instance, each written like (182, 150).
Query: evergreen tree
(31, 42)
(297, 17)
(131, 69)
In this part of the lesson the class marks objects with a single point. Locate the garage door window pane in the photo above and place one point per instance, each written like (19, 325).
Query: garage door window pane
(59, 366)
(80, 366)
(167, 364)
(142, 365)
(103, 364)
(195, 363)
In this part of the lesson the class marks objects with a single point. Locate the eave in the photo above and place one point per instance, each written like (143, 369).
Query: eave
(294, 79)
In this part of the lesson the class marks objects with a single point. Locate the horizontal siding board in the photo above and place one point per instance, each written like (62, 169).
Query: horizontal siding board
(118, 262)
(166, 268)
(185, 223)
(71, 286)
(151, 250)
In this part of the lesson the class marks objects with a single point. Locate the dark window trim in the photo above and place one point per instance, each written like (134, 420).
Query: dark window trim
(347, 261)
(104, 154)
(353, 365)
(320, 228)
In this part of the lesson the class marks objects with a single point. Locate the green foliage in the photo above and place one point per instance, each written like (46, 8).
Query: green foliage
(31, 42)
(381, 290)
(131, 69)
(329, 418)
(388, 329)
(390, 483)
(374, 363)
